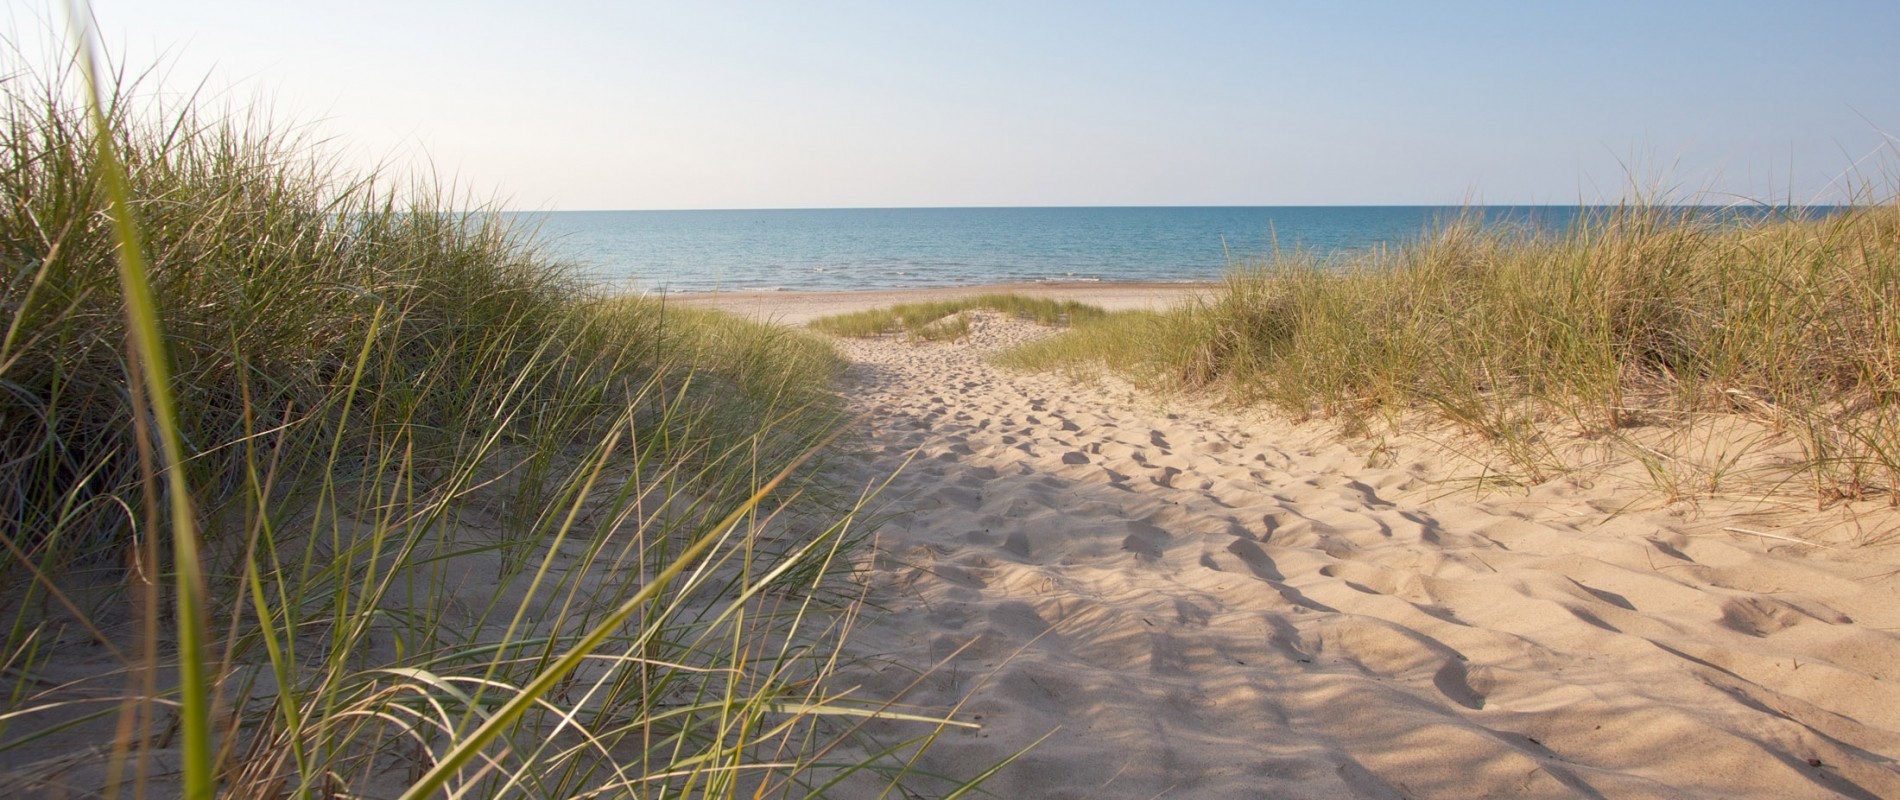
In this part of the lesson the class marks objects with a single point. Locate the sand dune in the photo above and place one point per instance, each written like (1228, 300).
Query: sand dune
(1188, 603)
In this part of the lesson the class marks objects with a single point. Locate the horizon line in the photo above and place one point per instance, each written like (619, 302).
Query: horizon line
(1738, 204)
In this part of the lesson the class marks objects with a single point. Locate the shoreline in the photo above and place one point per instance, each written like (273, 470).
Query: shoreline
(801, 307)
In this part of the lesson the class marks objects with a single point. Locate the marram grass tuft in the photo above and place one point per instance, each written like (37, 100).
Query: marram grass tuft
(1638, 316)
(444, 520)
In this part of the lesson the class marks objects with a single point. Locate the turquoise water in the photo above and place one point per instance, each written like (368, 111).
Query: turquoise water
(861, 249)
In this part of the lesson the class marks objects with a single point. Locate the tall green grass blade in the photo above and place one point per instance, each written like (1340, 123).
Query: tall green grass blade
(148, 349)
(468, 748)
(413, 469)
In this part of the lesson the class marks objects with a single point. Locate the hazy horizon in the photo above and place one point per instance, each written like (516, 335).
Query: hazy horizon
(646, 106)
(1683, 203)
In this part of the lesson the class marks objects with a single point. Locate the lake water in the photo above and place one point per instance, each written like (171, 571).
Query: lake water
(862, 249)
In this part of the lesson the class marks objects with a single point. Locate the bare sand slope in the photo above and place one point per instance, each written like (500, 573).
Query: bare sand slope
(1192, 605)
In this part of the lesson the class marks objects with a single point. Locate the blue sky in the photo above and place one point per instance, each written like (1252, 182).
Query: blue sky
(845, 104)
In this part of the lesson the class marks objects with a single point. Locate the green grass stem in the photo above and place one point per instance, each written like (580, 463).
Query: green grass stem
(1637, 317)
(947, 319)
(151, 361)
(466, 525)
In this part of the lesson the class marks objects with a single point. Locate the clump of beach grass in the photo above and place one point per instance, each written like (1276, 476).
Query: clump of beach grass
(315, 486)
(947, 319)
(948, 329)
(1638, 317)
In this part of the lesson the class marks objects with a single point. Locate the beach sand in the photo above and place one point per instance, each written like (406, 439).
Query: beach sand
(1168, 599)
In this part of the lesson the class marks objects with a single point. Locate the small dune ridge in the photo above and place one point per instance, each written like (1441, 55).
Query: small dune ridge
(1182, 601)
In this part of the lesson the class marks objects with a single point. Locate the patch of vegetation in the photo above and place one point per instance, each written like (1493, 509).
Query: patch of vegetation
(312, 486)
(935, 320)
(1637, 316)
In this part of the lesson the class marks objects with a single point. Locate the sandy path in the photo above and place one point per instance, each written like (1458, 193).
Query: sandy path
(1202, 606)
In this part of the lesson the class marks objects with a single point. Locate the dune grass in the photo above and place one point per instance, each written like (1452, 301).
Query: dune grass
(440, 518)
(947, 319)
(1642, 316)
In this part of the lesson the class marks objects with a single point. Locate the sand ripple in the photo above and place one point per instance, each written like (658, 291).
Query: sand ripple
(1203, 606)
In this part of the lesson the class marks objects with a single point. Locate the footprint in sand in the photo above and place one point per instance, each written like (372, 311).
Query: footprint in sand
(1453, 679)
(1017, 544)
(1146, 541)
(1763, 616)
(1474, 646)
(1191, 614)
